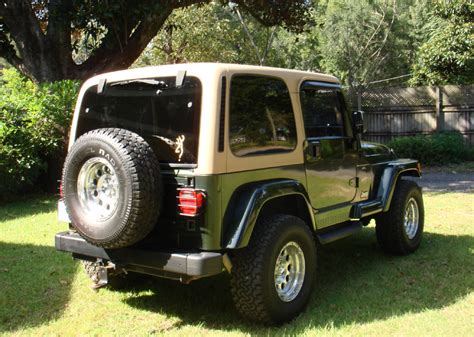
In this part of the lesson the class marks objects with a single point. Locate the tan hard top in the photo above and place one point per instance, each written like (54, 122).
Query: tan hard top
(197, 69)
(210, 161)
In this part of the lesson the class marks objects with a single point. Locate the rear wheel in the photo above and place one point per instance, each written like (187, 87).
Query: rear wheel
(399, 231)
(273, 276)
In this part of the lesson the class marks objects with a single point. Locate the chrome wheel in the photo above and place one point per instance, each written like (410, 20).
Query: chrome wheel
(412, 218)
(98, 188)
(289, 271)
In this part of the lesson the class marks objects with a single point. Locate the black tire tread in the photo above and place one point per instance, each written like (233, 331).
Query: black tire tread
(389, 225)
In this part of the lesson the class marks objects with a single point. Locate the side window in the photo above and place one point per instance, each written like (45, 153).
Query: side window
(261, 116)
(322, 110)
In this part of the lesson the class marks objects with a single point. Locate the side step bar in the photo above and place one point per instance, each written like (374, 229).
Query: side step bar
(333, 234)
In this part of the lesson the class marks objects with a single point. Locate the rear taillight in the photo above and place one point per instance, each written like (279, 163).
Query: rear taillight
(190, 201)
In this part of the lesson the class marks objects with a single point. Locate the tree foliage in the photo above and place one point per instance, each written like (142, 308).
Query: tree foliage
(448, 55)
(355, 39)
(211, 33)
(50, 40)
(34, 123)
(358, 41)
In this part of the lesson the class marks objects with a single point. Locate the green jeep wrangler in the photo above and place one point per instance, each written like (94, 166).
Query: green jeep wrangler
(186, 171)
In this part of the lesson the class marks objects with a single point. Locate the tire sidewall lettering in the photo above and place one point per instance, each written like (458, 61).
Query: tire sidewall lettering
(107, 156)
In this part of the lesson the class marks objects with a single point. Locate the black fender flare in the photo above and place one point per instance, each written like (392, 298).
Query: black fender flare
(248, 200)
(390, 178)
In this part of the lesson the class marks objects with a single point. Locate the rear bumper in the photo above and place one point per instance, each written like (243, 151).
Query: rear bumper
(185, 266)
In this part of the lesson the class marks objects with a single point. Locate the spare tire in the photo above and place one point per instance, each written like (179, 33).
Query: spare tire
(112, 187)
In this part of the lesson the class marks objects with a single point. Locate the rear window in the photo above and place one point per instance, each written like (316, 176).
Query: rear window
(166, 116)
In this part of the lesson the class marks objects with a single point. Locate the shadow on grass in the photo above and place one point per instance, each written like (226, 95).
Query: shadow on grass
(29, 205)
(357, 283)
(35, 284)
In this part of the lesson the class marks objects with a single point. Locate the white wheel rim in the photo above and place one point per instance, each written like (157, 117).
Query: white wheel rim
(289, 271)
(98, 189)
(412, 218)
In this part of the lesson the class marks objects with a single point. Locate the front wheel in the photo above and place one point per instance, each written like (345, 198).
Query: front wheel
(399, 230)
(273, 276)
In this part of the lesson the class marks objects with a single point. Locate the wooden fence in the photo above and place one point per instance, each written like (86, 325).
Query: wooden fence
(394, 112)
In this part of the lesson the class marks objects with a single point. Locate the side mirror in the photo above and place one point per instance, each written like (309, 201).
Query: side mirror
(358, 122)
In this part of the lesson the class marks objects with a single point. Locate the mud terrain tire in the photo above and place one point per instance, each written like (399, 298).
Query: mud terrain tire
(256, 270)
(399, 231)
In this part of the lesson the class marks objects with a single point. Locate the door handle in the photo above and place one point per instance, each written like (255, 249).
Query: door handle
(317, 150)
(314, 150)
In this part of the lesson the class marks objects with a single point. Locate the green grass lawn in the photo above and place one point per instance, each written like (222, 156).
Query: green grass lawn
(359, 292)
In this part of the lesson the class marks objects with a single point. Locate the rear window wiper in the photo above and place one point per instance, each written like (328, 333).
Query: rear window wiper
(160, 84)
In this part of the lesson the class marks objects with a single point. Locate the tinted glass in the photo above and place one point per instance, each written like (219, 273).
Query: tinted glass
(261, 116)
(322, 111)
(165, 115)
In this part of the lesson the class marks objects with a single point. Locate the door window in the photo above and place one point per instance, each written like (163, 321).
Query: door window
(322, 110)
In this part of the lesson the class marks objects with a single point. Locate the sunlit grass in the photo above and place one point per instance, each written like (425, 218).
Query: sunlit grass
(360, 291)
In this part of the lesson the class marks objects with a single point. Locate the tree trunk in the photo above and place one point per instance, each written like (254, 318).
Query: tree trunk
(44, 54)
(35, 36)
(272, 123)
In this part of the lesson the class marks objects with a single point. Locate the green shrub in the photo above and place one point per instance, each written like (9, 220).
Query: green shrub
(34, 122)
(437, 149)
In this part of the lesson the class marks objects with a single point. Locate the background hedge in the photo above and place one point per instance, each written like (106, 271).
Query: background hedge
(438, 149)
(34, 126)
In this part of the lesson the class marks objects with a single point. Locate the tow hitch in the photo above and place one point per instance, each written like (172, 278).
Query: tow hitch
(100, 271)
